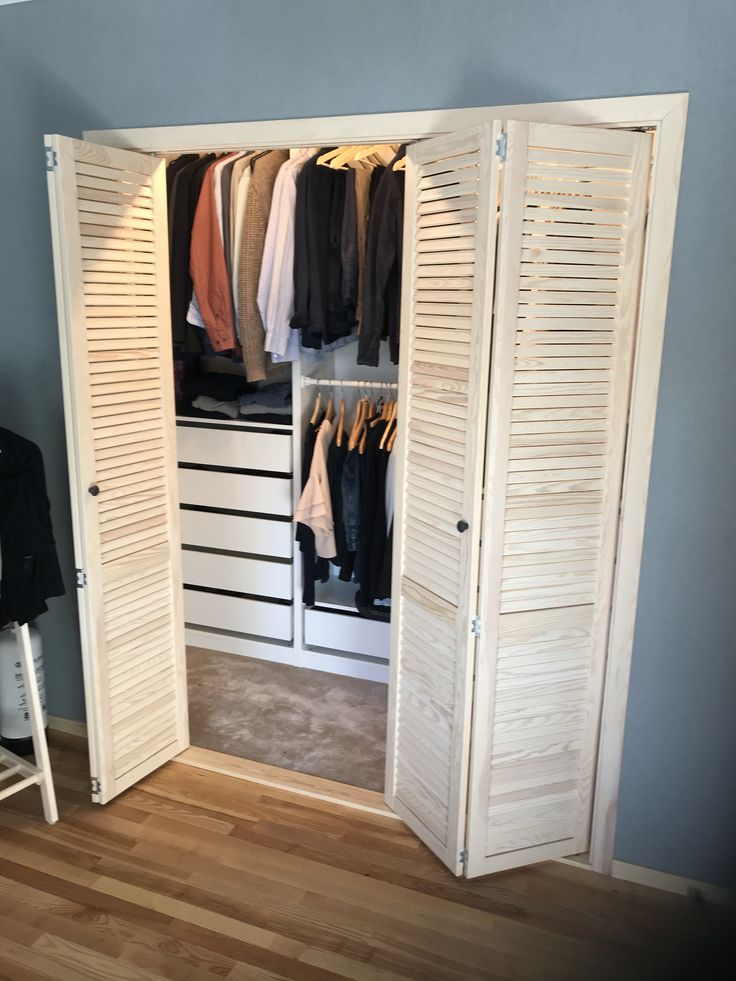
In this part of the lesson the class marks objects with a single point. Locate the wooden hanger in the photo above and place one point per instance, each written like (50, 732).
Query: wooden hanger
(383, 152)
(324, 159)
(392, 439)
(316, 410)
(389, 426)
(384, 406)
(341, 160)
(340, 423)
(400, 163)
(330, 410)
(360, 411)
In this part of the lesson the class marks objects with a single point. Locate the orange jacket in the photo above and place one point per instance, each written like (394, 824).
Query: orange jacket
(209, 271)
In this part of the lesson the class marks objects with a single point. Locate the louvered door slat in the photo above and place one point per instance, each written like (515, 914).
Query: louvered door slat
(110, 240)
(446, 318)
(572, 218)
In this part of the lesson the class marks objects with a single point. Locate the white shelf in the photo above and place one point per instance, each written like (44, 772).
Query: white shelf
(240, 423)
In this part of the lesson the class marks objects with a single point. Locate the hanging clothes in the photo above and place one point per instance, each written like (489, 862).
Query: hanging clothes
(209, 271)
(382, 291)
(320, 311)
(276, 283)
(226, 177)
(30, 568)
(344, 558)
(373, 532)
(183, 198)
(241, 201)
(313, 568)
(315, 505)
(363, 176)
(252, 335)
(350, 500)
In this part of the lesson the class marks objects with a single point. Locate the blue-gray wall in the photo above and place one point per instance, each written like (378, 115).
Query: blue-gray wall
(70, 65)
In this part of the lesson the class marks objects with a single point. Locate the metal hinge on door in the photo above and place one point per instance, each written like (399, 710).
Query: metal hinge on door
(81, 578)
(52, 160)
(96, 785)
(475, 626)
(464, 857)
(501, 147)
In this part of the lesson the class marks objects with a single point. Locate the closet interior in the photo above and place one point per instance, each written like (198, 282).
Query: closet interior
(285, 285)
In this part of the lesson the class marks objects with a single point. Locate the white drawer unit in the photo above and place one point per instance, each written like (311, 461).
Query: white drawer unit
(237, 574)
(245, 616)
(344, 632)
(241, 449)
(235, 491)
(237, 533)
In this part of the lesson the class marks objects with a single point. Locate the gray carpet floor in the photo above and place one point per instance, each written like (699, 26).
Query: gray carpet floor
(323, 724)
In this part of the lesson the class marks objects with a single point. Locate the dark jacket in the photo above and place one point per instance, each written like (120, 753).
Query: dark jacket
(382, 283)
(30, 568)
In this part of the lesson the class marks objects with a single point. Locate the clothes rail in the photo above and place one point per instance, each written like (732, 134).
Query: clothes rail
(341, 383)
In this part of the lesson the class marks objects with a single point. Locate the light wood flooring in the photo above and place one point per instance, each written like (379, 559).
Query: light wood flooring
(194, 875)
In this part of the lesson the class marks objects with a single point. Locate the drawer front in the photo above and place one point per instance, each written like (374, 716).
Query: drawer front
(230, 448)
(235, 491)
(237, 533)
(347, 633)
(244, 616)
(237, 574)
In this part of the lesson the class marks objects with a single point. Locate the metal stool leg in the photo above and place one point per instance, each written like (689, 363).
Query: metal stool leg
(35, 711)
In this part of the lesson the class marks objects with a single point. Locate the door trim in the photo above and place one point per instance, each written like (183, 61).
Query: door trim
(666, 116)
(287, 781)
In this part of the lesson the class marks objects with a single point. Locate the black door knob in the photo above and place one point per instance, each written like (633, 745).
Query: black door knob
(94, 490)
(462, 525)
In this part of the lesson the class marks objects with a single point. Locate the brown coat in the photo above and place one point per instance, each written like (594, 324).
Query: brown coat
(209, 271)
(257, 209)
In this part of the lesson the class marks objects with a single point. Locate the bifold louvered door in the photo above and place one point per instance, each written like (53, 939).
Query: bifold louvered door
(570, 241)
(109, 229)
(450, 225)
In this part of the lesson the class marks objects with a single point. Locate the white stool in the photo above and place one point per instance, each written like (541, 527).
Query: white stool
(14, 766)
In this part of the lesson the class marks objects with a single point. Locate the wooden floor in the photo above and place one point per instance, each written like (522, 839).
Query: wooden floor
(194, 875)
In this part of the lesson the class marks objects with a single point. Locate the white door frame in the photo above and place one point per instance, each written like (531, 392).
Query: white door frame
(665, 115)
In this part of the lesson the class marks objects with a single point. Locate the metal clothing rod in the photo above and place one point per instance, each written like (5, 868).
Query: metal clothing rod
(340, 383)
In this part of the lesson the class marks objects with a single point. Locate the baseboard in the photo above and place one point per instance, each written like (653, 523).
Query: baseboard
(351, 666)
(673, 883)
(68, 726)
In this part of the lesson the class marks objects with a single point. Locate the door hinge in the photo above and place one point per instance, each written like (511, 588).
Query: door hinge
(52, 160)
(81, 578)
(475, 626)
(96, 785)
(464, 857)
(501, 147)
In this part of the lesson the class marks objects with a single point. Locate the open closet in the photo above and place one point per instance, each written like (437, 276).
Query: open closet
(522, 280)
(279, 297)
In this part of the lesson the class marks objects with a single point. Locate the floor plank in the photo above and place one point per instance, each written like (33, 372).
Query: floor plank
(193, 875)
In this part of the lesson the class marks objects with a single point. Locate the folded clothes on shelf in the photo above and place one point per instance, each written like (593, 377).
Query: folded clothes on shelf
(208, 404)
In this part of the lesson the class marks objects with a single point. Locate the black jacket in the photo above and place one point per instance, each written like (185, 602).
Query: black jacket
(383, 251)
(30, 567)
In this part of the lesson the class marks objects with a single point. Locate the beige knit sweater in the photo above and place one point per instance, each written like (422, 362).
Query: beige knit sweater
(257, 208)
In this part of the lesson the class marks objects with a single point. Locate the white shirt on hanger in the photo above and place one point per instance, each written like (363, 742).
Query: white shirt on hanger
(276, 283)
(315, 505)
